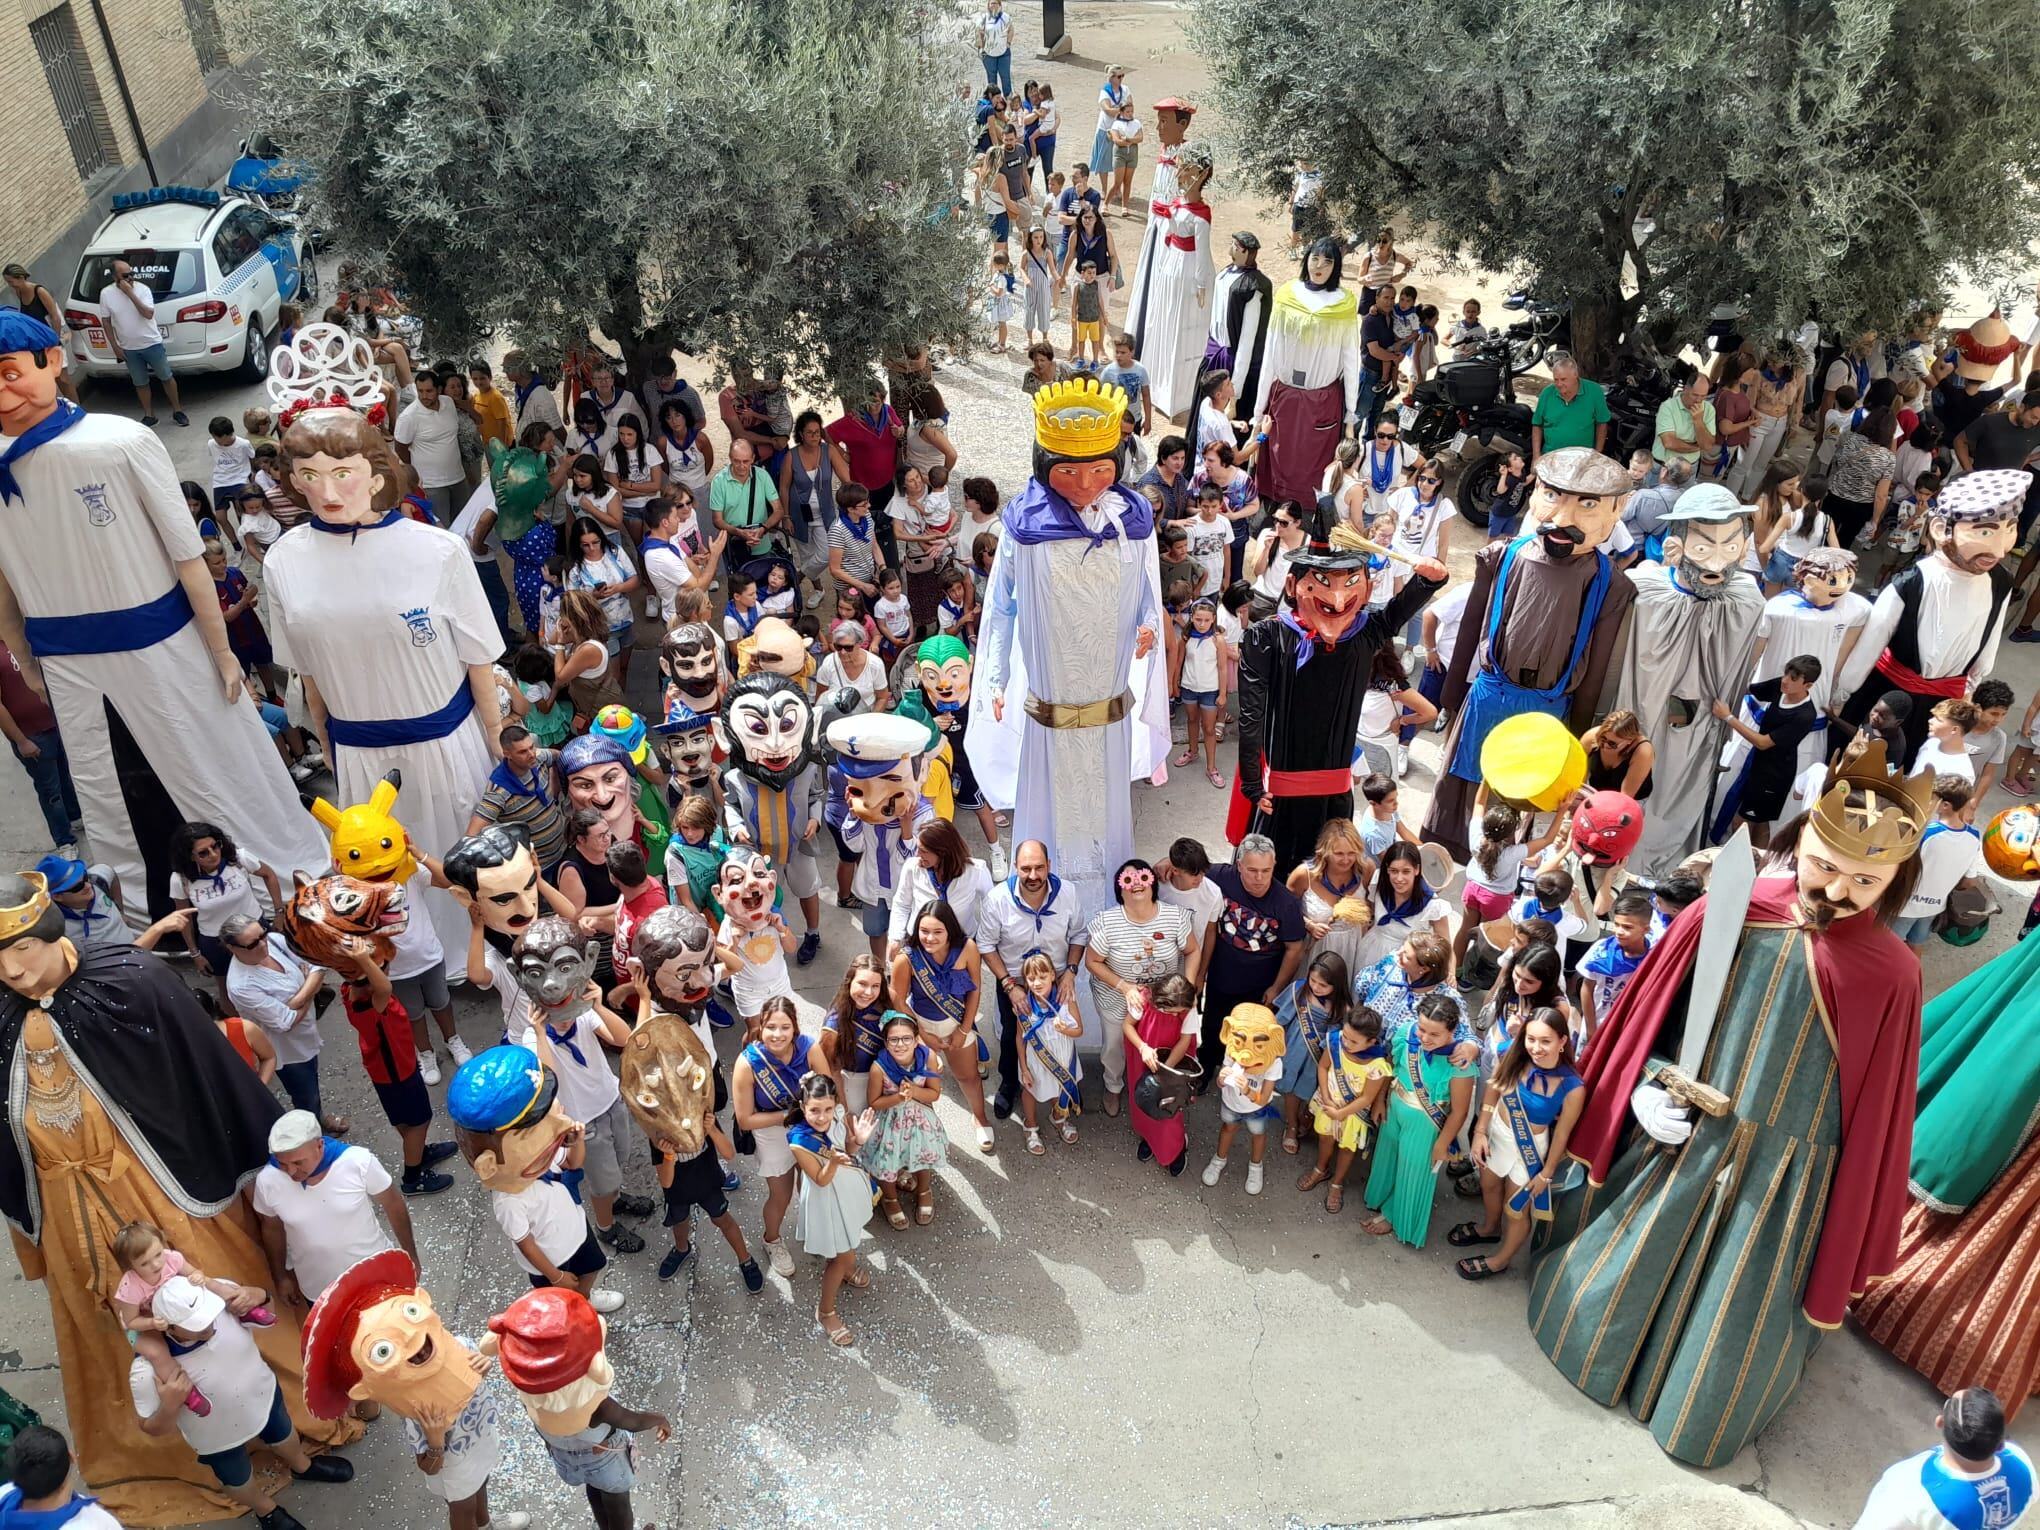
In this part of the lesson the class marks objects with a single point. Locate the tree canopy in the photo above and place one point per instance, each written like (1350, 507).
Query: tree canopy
(776, 179)
(1652, 161)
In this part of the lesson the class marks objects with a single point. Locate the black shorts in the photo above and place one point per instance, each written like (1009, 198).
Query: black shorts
(1763, 800)
(963, 783)
(697, 1181)
(405, 1103)
(843, 851)
(586, 1260)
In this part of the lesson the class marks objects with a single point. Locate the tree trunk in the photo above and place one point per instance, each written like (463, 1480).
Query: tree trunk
(1597, 331)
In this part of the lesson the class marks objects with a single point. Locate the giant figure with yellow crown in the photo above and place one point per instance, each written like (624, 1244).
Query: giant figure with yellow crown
(1072, 708)
(1748, 1123)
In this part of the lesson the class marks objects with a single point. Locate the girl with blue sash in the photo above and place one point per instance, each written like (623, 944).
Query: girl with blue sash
(935, 978)
(852, 1030)
(1351, 1079)
(908, 1144)
(1048, 1052)
(835, 1194)
(764, 1085)
(1520, 1141)
(1432, 1096)
(1311, 1011)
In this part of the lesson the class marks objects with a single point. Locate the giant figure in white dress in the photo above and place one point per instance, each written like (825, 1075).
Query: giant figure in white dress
(1169, 309)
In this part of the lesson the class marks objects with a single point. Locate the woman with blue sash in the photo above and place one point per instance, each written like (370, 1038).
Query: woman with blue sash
(1427, 1105)
(1311, 1011)
(852, 1030)
(1542, 621)
(1533, 1101)
(935, 979)
(764, 1086)
(908, 1144)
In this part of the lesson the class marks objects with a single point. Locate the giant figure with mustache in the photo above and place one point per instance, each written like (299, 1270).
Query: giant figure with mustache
(1934, 630)
(1540, 627)
(1691, 1273)
(1302, 678)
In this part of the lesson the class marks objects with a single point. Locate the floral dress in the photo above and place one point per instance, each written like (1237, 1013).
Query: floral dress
(908, 1137)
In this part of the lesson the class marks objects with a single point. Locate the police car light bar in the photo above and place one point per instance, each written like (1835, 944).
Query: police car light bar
(196, 196)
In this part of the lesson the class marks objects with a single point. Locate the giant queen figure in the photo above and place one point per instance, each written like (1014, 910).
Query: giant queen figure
(1071, 708)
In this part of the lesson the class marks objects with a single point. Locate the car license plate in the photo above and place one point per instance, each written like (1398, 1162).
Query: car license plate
(1407, 415)
(1458, 443)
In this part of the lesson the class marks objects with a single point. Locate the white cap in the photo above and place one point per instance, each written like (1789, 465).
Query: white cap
(184, 1305)
(294, 1129)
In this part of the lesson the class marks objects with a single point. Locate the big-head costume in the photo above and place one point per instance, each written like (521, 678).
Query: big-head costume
(1168, 307)
(1303, 676)
(103, 586)
(110, 1063)
(1541, 625)
(1070, 707)
(382, 615)
(1690, 638)
(1933, 631)
(774, 787)
(1746, 1133)
(1310, 376)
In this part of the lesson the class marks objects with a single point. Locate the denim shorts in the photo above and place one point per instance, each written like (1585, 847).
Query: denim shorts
(877, 918)
(1199, 698)
(1255, 1121)
(147, 362)
(1915, 931)
(232, 1466)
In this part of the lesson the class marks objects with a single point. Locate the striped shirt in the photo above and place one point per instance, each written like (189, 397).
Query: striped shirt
(539, 810)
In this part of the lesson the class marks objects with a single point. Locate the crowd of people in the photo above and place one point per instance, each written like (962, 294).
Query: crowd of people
(689, 644)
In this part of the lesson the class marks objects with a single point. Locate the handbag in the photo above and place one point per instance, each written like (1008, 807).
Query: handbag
(1163, 1091)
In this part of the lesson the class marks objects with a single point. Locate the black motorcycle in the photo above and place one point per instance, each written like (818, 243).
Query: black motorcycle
(1467, 401)
(1546, 327)
(1640, 386)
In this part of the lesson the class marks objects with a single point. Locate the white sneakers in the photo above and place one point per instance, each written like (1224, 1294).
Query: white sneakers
(780, 1260)
(518, 1521)
(1212, 1170)
(458, 1051)
(1000, 865)
(604, 1300)
(428, 1064)
(1253, 1179)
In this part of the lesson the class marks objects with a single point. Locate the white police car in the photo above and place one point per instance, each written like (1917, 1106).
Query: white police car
(218, 269)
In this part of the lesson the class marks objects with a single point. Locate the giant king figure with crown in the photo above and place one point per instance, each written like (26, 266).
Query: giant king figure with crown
(1747, 1129)
(1072, 708)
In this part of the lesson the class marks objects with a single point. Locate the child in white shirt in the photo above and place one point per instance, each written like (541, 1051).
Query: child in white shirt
(777, 596)
(1210, 538)
(1249, 1098)
(1946, 752)
(233, 459)
(895, 617)
(1951, 856)
(1835, 424)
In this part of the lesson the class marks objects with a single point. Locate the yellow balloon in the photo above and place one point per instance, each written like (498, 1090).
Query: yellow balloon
(1532, 758)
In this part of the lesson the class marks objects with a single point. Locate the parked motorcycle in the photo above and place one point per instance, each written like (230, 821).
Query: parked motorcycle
(1546, 327)
(1465, 401)
(1640, 386)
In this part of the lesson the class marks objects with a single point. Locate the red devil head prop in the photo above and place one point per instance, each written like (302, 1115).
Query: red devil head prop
(1606, 827)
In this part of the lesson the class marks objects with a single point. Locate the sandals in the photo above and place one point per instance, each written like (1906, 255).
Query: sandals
(833, 1326)
(924, 1205)
(1289, 1146)
(1034, 1141)
(1477, 1268)
(1375, 1225)
(1311, 1180)
(1215, 779)
(853, 1282)
(1184, 758)
(1468, 1187)
(1335, 1198)
(1469, 1235)
(894, 1213)
(1069, 1132)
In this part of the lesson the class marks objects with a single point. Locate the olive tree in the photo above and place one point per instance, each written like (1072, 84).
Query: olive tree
(779, 179)
(1839, 157)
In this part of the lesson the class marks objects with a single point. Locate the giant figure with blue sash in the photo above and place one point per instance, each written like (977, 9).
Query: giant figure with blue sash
(381, 615)
(1541, 625)
(107, 605)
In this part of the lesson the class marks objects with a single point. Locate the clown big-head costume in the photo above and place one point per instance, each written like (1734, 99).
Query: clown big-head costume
(374, 1336)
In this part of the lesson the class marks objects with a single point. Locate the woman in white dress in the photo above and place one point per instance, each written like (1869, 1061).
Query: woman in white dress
(1336, 873)
(1168, 309)
(1404, 905)
(835, 1194)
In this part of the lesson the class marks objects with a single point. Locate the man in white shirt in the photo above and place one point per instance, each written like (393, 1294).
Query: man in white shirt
(219, 1358)
(138, 340)
(38, 1488)
(1026, 913)
(995, 45)
(1975, 1481)
(266, 983)
(428, 438)
(531, 393)
(316, 1200)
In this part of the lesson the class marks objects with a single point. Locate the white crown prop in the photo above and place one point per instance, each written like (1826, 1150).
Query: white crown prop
(324, 367)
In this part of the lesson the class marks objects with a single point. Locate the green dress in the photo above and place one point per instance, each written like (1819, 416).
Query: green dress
(1401, 1182)
(1979, 1079)
(1675, 1286)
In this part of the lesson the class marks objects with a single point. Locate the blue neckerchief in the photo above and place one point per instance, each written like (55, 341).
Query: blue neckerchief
(329, 1149)
(915, 1071)
(1337, 891)
(14, 1517)
(84, 915)
(1771, 377)
(506, 778)
(355, 530)
(858, 526)
(573, 1047)
(1306, 650)
(802, 1135)
(1047, 904)
(685, 445)
(48, 428)
(1380, 474)
(863, 1030)
(525, 390)
(651, 542)
(756, 615)
(784, 1077)
(1402, 913)
(569, 1179)
(955, 611)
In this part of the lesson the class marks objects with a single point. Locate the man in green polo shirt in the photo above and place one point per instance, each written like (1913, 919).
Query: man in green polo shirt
(745, 503)
(1571, 411)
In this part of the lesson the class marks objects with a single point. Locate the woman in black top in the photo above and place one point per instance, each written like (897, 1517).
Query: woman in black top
(1619, 757)
(582, 878)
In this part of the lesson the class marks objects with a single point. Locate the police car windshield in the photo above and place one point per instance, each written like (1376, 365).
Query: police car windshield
(166, 273)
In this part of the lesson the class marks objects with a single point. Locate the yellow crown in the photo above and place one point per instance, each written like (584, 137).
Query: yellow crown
(1079, 418)
(24, 915)
(1888, 824)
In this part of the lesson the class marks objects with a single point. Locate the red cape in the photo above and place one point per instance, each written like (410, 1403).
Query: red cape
(1869, 987)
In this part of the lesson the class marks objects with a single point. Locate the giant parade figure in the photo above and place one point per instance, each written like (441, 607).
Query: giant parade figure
(1168, 310)
(1072, 707)
(1172, 126)
(1690, 640)
(1541, 623)
(107, 605)
(1933, 631)
(126, 1105)
(1309, 387)
(1303, 676)
(1748, 1122)
(381, 615)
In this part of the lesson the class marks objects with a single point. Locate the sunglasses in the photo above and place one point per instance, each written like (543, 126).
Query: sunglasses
(1430, 480)
(1386, 435)
(255, 945)
(845, 647)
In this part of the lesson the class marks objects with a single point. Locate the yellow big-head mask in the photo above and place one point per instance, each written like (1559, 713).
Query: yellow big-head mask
(1253, 1036)
(367, 842)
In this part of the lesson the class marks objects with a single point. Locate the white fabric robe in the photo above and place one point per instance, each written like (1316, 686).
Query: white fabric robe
(1061, 618)
(1177, 286)
(386, 623)
(100, 527)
